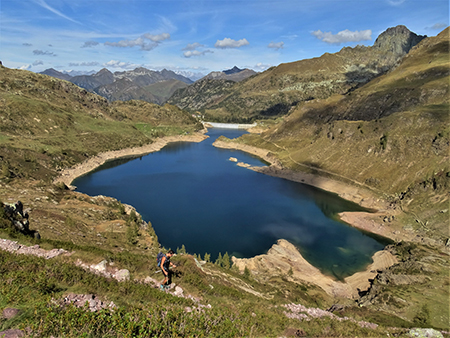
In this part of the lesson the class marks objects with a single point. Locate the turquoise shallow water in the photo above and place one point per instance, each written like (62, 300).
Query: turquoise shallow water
(193, 195)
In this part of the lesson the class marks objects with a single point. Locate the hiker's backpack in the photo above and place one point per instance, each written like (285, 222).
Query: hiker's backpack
(158, 259)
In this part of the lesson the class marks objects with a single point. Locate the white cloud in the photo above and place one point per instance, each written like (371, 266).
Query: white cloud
(343, 36)
(43, 4)
(141, 41)
(193, 46)
(230, 43)
(261, 66)
(276, 45)
(42, 52)
(191, 50)
(120, 64)
(439, 26)
(38, 63)
(84, 64)
(25, 67)
(88, 44)
(190, 53)
(395, 2)
(156, 38)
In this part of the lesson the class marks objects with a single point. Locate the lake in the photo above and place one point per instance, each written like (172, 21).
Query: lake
(192, 194)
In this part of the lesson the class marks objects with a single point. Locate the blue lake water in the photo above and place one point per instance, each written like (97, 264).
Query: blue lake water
(193, 195)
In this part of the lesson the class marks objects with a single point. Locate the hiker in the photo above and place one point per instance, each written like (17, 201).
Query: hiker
(165, 265)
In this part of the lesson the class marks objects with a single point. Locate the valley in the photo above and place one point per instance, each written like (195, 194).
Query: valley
(370, 124)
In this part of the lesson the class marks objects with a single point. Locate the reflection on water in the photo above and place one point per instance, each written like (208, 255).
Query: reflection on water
(193, 195)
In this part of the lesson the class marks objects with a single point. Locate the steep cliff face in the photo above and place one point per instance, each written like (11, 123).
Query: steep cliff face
(398, 40)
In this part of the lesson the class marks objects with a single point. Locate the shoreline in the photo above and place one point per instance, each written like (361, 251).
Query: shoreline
(362, 220)
(67, 176)
(369, 222)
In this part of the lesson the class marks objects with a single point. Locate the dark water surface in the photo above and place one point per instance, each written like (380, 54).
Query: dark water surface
(193, 195)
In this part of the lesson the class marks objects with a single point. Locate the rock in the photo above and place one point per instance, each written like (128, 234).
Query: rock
(400, 279)
(12, 334)
(398, 40)
(79, 300)
(9, 313)
(122, 275)
(150, 280)
(425, 333)
(178, 291)
(233, 159)
(243, 165)
(336, 307)
(100, 266)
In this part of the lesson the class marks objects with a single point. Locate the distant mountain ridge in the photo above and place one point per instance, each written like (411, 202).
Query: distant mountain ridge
(277, 90)
(128, 85)
(234, 74)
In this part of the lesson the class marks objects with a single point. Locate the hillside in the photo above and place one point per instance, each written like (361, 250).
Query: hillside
(277, 90)
(391, 134)
(390, 137)
(99, 250)
(49, 124)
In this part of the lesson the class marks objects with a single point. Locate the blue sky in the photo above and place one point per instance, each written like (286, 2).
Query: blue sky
(197, 36)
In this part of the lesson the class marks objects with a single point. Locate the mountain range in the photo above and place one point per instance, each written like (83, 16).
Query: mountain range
(275, 91)
(140, 83)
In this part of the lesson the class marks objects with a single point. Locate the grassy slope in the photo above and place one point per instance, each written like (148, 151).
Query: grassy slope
(49, 124)
(391, 134)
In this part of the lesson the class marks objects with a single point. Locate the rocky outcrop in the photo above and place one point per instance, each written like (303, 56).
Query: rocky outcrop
(35, 250)
(284, 259)
(303, 313)
(398, 40)
(92, 302)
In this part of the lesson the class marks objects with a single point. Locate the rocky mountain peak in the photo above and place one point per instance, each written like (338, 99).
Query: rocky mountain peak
(232, 70)
(398, 40)
(103, 70)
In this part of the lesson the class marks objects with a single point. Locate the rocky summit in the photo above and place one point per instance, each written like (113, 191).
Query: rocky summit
(398, 40)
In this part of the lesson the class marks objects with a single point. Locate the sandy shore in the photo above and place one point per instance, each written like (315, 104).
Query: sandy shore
(284, 256)
(369, 222)
(67, 176)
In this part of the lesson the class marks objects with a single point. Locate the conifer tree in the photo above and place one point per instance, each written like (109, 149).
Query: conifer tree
(246, 273)
(207, 258)
(219, 260)
(226, 261)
